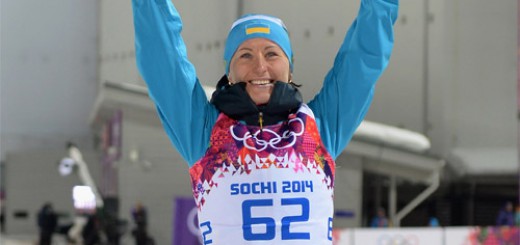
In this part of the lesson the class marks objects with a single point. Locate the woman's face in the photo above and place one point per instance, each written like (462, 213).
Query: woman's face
(259, 63)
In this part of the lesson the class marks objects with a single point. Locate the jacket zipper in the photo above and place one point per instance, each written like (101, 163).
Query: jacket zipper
(261, 120)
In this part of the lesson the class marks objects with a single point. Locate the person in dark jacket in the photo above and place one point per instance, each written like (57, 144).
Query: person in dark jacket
(47, 223)
(140, 232)
(506, 216)
(90, 232)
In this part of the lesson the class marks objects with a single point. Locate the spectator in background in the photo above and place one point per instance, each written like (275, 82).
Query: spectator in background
(140, 232)
(2, 211)
(2, 219)
(433, 222)
(139, 215)
(380, 220)
(47, 223)
(517, 215)
(506, 217)
(90, 232)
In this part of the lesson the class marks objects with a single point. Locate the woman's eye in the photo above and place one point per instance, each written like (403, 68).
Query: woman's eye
(245, 55)
(272, 54)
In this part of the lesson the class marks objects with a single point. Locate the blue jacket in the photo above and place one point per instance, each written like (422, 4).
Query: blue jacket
(188, 117)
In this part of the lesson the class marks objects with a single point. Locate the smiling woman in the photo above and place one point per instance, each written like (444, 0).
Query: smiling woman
(259, 63)
(261, 161)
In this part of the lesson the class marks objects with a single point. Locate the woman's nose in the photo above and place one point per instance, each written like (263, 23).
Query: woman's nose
(260, 64)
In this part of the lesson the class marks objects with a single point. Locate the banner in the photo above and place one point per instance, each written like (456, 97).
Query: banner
(482, 236)
(186, 224)
(402, 236)
(342, 236)
(428, 236)
(111, 138)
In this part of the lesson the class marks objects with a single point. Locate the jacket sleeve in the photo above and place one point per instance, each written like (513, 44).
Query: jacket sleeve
(161, 58)
(348, 88)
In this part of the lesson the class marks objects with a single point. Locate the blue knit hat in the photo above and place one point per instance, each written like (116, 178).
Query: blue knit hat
(257, 26)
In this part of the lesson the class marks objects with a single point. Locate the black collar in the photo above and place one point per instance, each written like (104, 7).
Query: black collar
(234, 101)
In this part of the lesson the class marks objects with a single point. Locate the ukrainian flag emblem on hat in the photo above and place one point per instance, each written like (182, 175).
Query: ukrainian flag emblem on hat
(257, 28)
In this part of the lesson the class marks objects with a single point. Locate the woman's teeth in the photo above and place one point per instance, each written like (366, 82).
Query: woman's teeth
(260, 82)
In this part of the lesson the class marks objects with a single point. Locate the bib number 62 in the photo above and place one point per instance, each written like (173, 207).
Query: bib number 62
(270, 224)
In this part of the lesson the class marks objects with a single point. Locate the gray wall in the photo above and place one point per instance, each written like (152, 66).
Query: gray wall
(48, 72)
(473, 75)
(348, 189)
(205, 27)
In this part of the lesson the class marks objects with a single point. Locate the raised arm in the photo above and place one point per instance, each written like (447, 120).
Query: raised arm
(348, 88)
(173, 85)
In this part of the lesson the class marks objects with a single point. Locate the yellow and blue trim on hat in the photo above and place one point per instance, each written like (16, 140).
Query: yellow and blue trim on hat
(257, 28)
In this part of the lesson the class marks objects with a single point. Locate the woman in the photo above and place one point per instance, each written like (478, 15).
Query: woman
(261, 161)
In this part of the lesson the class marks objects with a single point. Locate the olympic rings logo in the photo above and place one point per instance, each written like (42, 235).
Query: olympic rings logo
(192, 223)
(397, 240)
(278, 142)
